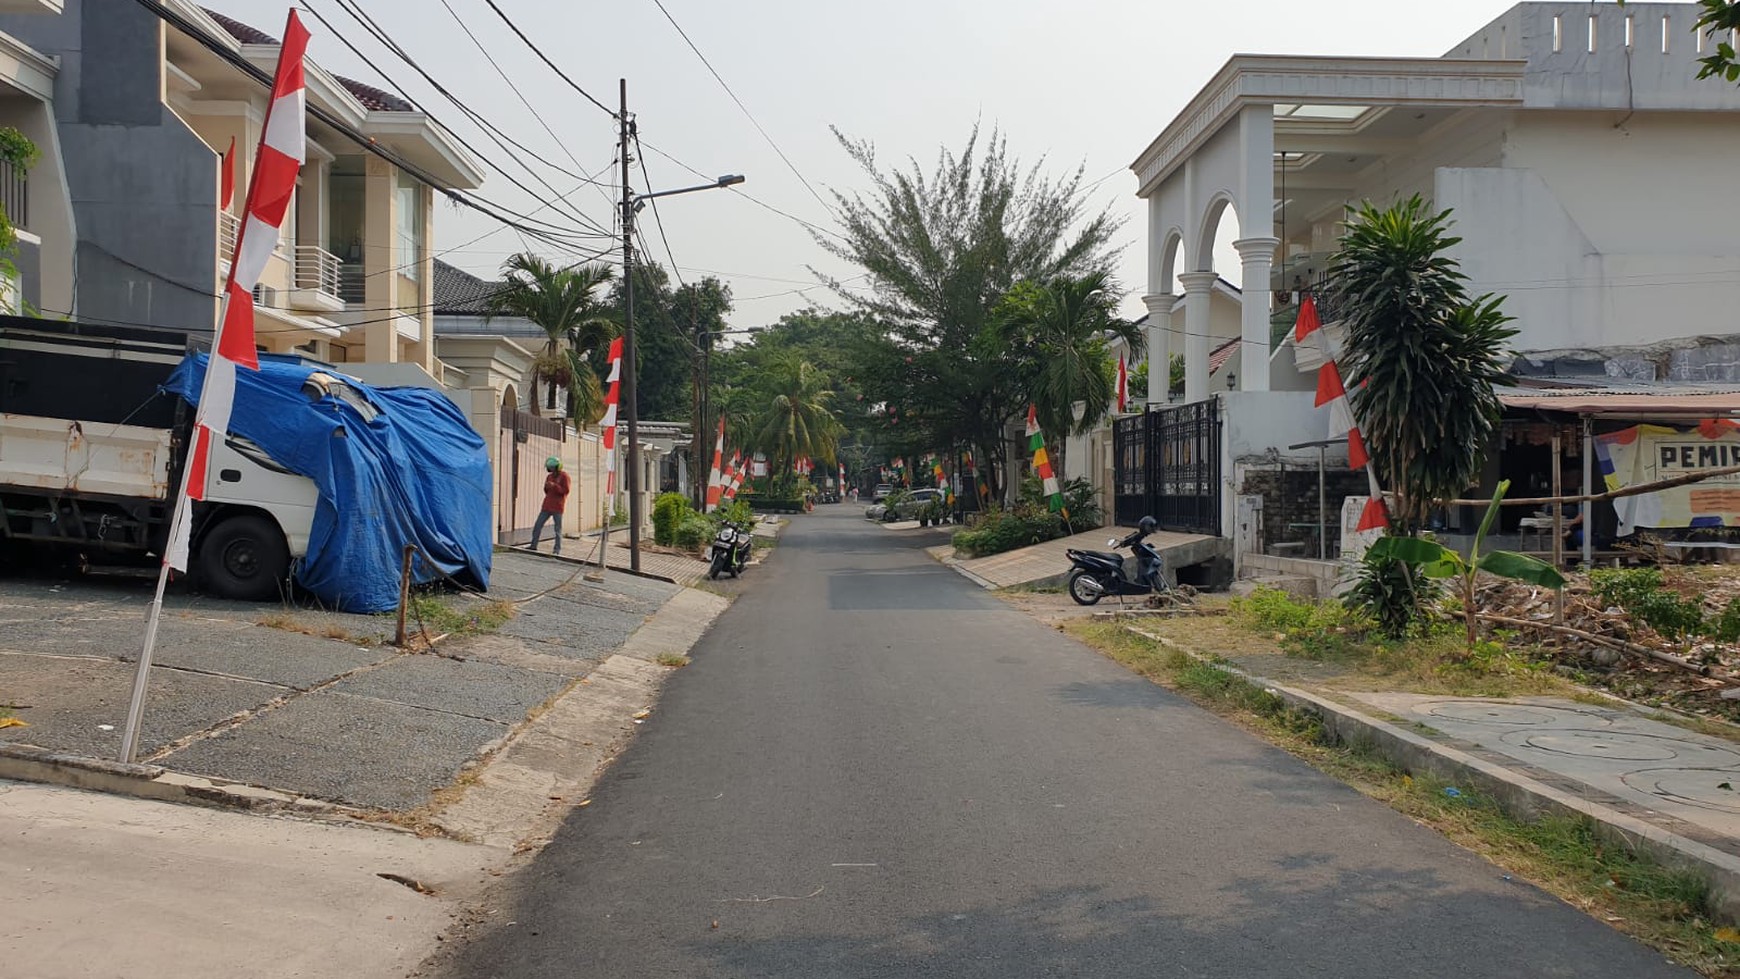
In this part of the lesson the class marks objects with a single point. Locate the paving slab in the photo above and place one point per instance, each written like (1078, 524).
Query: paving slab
(269, 655)
(1661, 768)
(490, 691)
(357, 750)
(71, 698)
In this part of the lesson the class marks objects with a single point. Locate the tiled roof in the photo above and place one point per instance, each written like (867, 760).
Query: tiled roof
(1221, 354)
(240, 31)
(375, 99)
(459, 293)
(372, 98)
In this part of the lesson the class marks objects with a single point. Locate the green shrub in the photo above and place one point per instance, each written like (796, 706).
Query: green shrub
(1006, 530)
(737, 511)
(668, 513)
(694, 533)
(1726, 626)
(1394, 594)
(1639, 592)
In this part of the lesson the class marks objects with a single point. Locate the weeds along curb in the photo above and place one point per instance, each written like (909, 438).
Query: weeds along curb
(1518, 796)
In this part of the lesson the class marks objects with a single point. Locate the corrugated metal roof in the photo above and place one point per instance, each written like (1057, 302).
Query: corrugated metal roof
(1623, 398)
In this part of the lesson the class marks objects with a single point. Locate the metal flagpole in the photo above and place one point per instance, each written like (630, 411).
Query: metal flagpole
(141, 674)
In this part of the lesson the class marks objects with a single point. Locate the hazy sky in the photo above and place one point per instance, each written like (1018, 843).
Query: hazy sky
(1087, 83)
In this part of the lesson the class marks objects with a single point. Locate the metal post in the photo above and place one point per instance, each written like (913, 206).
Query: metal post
(629, 365)
(1558, 522)
(1588, 490)
(1322, 508)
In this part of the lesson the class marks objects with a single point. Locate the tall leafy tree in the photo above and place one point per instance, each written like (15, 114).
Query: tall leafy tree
(565, 302)
(670, 326)
(939, 249)
(796, 419)
(1422, 355)
(1061, 332)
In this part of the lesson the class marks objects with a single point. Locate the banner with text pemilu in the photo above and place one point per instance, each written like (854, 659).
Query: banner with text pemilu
(1648, 453)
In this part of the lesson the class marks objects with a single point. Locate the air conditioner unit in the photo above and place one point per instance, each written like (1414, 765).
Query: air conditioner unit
(268, 296)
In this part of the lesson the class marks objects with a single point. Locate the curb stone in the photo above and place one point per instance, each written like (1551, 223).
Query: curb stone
(1518, 795)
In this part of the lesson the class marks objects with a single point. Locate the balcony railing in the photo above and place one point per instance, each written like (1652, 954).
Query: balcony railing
(15, 195)
(319, 270)
(229, 229)
(352, 282)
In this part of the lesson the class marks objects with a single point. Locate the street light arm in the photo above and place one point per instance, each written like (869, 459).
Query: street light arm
(730, 179)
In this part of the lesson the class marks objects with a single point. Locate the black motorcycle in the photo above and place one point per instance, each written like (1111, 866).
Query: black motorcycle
(729, 550)
(1100, 573)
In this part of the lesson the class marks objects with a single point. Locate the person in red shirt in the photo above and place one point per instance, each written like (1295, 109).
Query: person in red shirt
(556, 487)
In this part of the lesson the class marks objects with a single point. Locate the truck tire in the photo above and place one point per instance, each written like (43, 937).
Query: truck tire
(244, 558)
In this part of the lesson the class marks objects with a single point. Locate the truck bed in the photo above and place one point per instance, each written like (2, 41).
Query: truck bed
(83, 457)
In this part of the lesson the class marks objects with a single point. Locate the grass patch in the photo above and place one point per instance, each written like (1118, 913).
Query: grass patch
(437, 616)
(329, 630)
(1668, 909)
(672, 660)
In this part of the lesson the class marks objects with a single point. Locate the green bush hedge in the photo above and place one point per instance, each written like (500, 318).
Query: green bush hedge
(1006, 530)
(668, 513)
(768, 504)
(694, 533)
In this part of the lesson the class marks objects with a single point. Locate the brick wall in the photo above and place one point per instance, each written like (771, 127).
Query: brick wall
(1290, 497)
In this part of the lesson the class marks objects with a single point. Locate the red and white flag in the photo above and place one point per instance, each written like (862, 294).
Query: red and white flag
(227, 188)
(612, 397)
(283, 147)
(1123, 384)
(1332, 392)
(715, 477)
(733, 476)
(1307, 322)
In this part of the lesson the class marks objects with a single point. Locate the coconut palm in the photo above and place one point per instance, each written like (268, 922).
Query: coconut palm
(796, 417)
(564, 302)
(1421, 355)
(1060, 331)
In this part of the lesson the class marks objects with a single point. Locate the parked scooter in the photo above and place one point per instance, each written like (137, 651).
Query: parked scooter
(1101, 573)
(729, 550)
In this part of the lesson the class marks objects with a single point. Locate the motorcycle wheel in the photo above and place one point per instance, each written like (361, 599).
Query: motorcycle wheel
(717, 566)
(1083, 594)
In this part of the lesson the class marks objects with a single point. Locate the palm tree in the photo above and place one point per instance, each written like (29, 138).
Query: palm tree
(563, 301)
(1421, 355)
(1060, 331)
(796, 419)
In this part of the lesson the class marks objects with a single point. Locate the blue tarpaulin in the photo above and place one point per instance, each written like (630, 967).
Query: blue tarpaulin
(394, 466)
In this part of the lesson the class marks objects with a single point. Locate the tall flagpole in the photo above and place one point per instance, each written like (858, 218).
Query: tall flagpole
(282, 150)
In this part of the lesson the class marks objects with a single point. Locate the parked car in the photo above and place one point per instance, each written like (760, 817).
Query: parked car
(904, 505)
(882, 492)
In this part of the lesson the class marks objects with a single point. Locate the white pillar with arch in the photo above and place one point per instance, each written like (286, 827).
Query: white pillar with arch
(1159, 347)
(1258, 256)
(1198, 290)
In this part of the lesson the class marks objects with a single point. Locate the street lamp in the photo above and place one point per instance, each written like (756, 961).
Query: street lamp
(631, 205)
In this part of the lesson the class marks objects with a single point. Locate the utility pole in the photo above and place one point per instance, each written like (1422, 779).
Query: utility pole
(629, 363)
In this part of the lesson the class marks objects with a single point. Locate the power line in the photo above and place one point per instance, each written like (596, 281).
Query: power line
(489, 129)
(481, 49)
(751, 116)
(813, 227)
(545, 58)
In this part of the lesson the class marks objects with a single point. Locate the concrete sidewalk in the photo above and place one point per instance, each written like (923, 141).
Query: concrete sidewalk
(309, 703)
(1046, 562)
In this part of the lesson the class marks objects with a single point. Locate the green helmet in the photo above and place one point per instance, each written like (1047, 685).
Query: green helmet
(552, 463)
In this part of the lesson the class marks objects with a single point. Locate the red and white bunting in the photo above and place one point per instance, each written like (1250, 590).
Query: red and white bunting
(715, 476)
(1332, 391)
(733, 477)
(1123, 384)
(612, 397)
(227, 184)
(283, 147)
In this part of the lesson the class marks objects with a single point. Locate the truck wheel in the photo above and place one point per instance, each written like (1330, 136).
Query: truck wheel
(244, 558)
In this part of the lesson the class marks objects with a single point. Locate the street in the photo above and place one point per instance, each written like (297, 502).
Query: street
(875, 768)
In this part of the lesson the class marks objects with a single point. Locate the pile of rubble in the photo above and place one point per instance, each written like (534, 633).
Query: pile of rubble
(1609, 645)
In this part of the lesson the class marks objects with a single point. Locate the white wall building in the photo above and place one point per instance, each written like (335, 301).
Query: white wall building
(1582, 159)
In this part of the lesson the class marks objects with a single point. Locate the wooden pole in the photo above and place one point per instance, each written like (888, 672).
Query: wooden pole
(404, 594)
(1558, 526)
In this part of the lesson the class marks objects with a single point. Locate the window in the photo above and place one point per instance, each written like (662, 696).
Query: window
(409, 204)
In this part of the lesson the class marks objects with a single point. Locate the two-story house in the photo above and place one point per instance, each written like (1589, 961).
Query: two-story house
(145, 107)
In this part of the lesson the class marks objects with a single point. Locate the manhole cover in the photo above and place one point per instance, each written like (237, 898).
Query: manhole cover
(1615, 745)
(1699, 787)
(1512, 715)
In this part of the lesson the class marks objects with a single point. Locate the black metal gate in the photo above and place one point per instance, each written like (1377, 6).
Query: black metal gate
(1167, 466)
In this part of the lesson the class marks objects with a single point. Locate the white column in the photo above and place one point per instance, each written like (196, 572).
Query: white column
(1159, 347)
(1258, 255)
(1198, 288)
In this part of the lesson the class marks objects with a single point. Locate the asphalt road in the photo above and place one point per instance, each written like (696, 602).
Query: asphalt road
(873, 768)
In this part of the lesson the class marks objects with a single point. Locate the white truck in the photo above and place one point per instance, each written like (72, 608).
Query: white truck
(91, 455)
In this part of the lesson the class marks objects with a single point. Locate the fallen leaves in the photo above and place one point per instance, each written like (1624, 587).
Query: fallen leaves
(6, 722)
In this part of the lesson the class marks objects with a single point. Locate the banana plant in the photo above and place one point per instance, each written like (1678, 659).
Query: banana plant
(1437, 561)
